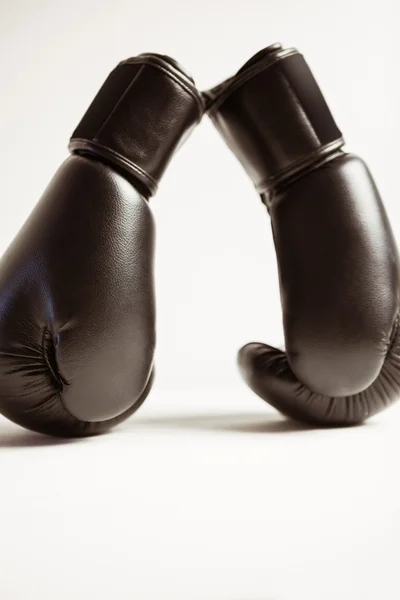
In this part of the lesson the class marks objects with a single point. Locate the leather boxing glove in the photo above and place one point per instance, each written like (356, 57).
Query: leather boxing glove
(77, 317)
(337, 258)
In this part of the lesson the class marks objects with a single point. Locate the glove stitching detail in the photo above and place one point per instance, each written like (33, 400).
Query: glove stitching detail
(99, 149)
(49, 355)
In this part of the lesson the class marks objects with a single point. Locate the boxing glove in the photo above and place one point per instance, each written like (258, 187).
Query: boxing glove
(77, 314)
(337, 258)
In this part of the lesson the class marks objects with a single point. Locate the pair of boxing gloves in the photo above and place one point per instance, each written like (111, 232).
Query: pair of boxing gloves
(77, 310)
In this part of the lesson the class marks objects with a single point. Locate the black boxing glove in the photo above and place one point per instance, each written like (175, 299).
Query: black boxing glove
(338, 261)
(77, 315)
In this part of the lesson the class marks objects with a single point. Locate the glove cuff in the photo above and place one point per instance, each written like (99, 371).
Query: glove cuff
(274, 117)
(145, 109)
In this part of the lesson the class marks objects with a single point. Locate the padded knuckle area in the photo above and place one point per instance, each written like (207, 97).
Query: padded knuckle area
(336, 373)
(269, 374)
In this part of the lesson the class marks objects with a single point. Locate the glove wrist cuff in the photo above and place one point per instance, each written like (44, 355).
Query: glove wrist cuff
(274, 117)
(145, 109)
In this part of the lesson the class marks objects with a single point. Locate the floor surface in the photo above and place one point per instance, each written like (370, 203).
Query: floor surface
(207, 495)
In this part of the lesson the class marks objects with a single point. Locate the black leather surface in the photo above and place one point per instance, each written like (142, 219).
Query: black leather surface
(77, 307)
(337, 258)
(274, 117)
(151, 96)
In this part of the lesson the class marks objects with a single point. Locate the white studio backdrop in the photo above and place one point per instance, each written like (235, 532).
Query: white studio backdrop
(216, 275)
(194, 513)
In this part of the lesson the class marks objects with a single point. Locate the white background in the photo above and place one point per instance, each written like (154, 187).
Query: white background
(206, 493)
